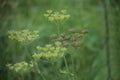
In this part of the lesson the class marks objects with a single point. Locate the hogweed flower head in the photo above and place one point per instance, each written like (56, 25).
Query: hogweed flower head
(23, 35)
(21, 67)
(56, 16)
(49, 51)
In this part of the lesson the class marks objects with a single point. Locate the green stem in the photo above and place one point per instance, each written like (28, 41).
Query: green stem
(73, 67)
(72, 61)
(74, 50)
(66, 65)
(39, 71)
(58, 76)
(58, 29)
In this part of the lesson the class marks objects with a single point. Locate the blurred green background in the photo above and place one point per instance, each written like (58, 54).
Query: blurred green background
(85, 14)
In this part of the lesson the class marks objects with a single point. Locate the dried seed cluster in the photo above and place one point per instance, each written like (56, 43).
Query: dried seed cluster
(72, 39)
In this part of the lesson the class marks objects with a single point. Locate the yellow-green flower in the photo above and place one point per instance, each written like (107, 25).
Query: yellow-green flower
(50, 51)
(46, 15)
(21, 67)
(49, 11)
(63, 11)
(23, 35)
(58, 43)
(56, 16)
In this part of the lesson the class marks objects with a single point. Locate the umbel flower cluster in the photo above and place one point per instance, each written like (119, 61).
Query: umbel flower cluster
(49, 51)
(21, 67)
(56, 16)
(23, 35)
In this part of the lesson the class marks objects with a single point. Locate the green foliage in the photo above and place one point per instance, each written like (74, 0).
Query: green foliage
(89, 59)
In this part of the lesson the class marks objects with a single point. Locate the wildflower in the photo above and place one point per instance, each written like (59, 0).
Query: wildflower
(48, 46)
(56, 16)
(21, 67)
(23, 35)
(46, 15)
(51, 18)
(63, 11)
(58, 43)
(49, 51)
(49, 11)
(38, 47)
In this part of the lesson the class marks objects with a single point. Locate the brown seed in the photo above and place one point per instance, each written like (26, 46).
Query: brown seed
(65, 44)
(84, 31)
(73, 38)
(76, 44)
(53, 36)
(62, 35)
(80, 35)
(75, 35)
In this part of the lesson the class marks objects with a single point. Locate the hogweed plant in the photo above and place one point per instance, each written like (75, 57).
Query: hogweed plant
(50, 52)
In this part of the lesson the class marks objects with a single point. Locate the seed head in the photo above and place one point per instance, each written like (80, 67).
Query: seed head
(76, 44)
(85, 31)
(65, 44)
(53, 36)
(62, 35)
(80, 35)
(60, 39)
(73, 38)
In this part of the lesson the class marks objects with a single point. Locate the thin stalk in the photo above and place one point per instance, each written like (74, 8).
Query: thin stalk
(58, 76)
(72, 61)
(58, 29)
(66, 65)
(39, 71)
(72, 67)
